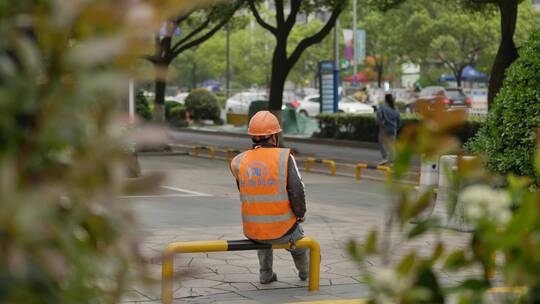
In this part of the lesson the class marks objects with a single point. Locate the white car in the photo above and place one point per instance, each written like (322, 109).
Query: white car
(179, 98)
(239, 103)
(310, 106)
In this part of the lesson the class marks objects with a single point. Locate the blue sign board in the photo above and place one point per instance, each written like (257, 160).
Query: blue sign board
(326, 86)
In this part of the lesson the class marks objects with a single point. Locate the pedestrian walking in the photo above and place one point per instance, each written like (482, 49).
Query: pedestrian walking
(272, 195)
(388, 121)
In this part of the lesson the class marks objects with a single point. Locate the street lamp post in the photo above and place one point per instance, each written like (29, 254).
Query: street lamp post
(355, 46)
(336, 66)
(228, 72)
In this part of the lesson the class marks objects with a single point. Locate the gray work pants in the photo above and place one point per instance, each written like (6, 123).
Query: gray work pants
(266, 257)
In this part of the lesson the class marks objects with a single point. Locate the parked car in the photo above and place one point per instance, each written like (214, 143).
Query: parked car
(179, 98)
(310, 105)
(349, 104)
(239, 103)
(403, 96)
(452, 98)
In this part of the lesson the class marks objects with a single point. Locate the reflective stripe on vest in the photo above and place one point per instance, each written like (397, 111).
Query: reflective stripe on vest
(262, 180)
(264, 198)
(267, 218)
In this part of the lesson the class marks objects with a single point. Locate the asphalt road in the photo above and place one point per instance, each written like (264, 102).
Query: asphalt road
(336, 152)
(199, 192)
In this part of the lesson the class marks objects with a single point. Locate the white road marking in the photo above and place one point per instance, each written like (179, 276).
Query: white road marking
(185, 193)
(160, 195)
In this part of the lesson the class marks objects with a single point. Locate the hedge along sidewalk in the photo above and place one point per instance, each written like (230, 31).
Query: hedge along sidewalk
(288, 138)
(363, 127)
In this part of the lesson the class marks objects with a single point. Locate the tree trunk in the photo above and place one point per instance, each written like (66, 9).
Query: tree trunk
(459, 78)
(193, 75)
(280, 71)
(159, 98)
(507, 53)
(380, 70)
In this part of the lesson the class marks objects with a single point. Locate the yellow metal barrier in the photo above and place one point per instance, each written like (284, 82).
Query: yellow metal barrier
(361, 166)
(331, 164)
(229, 155)
(223, 245)
(211, 149)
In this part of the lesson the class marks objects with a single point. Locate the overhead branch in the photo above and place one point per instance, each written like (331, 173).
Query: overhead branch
(192, 34)
(201, 39)
(182, 18)
(291, 19)
(259, 19)
(315, 38)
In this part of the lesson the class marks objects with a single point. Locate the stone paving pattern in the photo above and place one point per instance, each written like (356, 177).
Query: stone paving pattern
(232, 277)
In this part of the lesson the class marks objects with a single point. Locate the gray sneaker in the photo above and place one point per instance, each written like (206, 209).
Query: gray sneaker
(272, 279)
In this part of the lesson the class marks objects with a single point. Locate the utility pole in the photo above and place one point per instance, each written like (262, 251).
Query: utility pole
(355, 46)
(336, 66)
(228, 72)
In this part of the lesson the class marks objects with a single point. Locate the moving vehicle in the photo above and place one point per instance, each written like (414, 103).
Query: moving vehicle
(310, 106)
(451, 97)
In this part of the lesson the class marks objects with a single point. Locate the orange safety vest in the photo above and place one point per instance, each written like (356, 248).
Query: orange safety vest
(262, 180)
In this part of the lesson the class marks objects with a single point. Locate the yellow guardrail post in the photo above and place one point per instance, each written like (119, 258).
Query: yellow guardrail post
(359, 168)
(309, 161)
(167, 267)
(387, 169)
(314, 259)
(167, 270)
(211, 150)
(330, 164)
(230, 154)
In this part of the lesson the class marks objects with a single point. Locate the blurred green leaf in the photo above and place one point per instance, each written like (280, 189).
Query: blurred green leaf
(455, 260)
(422, 227)
(370, 246)
(407, 264)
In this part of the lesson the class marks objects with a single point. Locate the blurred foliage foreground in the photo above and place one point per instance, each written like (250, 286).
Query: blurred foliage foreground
(64, 68)
(503, 212)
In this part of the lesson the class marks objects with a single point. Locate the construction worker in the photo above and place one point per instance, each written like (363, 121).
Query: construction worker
(272, 195)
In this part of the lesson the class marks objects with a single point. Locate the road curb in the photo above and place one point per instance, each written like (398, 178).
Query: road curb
(311, 140)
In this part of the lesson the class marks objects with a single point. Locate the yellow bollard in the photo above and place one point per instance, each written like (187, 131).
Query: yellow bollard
(211, 149)
(309, 161)
(230, 154)
(359, 168)
(332, 165)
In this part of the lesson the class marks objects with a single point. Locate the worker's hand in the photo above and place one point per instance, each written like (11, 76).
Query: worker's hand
(301, 219)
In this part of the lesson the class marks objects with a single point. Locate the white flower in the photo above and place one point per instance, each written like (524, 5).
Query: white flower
(481, 201)
(386, 278)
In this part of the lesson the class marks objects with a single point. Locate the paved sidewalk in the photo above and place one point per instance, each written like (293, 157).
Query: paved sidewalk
(339, 209)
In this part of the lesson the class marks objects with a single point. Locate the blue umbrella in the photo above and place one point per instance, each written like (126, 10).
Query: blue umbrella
(468, 74)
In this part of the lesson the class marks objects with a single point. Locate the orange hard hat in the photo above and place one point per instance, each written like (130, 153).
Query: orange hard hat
(263, 123)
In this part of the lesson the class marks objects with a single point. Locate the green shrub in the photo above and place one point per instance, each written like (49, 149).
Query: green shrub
(363, 127)
(142, 108)
(202, 104)
(508, 136)
(401, 106)
(175, 114)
